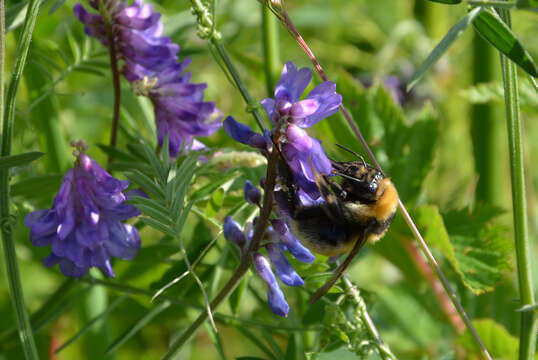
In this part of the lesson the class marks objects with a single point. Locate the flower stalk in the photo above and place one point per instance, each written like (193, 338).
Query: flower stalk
(244, 264)
(7, 121)
(529, 319)
(271, 51)
(286, 21)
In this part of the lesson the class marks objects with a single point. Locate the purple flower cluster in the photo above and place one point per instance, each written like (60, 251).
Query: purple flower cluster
(277, 240)
(151, 65)
(290, 116)
(84, 225)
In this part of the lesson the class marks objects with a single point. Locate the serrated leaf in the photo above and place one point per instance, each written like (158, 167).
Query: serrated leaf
(409, 150)
(490, 26)
(37, 186)
(498, 341)
(478, 250)
(132, 330)
(455, 32)
(10, 161)
(493, 92)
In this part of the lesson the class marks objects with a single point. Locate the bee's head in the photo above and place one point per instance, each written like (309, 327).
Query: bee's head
(361, 182)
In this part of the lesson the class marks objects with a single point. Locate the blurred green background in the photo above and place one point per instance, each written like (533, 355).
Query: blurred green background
(357, 42)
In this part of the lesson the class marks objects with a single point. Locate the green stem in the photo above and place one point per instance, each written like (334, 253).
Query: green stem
(252, 107)
(246, 259)
(271, 51)
(498, 4)
(7, 120)
(383, 349)
(529, 320)
(483, 125)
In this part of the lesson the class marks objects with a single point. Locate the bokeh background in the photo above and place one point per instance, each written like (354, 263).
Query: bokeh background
(67, 94)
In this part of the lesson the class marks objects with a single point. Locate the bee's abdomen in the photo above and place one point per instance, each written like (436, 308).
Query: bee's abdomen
(320, 234)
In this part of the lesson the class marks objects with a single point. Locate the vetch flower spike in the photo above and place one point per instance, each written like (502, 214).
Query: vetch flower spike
(151, 66)
(84, 225)
(275, 296)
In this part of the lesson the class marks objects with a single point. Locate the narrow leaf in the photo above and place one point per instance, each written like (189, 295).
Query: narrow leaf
(449, 2)
(490, 26)
(215, 183)
(10, 161)
(164, 228)
(145, 182)
(55, 6)
(454, 33)
(137, 326)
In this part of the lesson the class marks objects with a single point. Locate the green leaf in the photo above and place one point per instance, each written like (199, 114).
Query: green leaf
(116, 153)
(527, 4)
(55, 6)
(145, 182)
(162, 227)
(37, 186)
(216, 182)
(490, 26)
(15, 15)
(498, 341)
(7, 162)
(237, 295)
(493, 92)
(214, 203)
(477, 249)
(133, 329)
(215, 338)
(455, 32)
(449, 2)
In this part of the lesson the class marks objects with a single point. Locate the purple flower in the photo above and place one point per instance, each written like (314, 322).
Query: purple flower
(253, 195)
(291, 243)
(320, 103)
(232, 232)
(151, 65)
(275, 296)
(84, 225)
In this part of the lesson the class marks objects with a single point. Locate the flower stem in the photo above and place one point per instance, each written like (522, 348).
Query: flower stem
(271, 51)
(285, 19)
(7, 120)
(383, 349)
(529, 319)
(117, 88)
(252, 107)
(244, 264)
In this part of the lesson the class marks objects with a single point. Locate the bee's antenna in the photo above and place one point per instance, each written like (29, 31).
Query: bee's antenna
(347, 177)
(352, 152)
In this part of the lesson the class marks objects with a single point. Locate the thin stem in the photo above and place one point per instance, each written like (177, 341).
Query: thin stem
(117, 88)
(7, 120)
(383, 349)
(271, 51)
(498, 4)
(285, 19)
(252, 106)
(529, 319)
(245, 262)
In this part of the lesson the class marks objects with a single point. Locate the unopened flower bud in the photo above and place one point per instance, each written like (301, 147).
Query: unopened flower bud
(253, 195)
(232, 232)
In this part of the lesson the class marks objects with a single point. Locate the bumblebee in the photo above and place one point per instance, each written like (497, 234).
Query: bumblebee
(358, 209)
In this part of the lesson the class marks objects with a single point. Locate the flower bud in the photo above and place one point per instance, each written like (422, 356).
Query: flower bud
(275, 296)
(253, 195)
(232, 232)
(283, 268)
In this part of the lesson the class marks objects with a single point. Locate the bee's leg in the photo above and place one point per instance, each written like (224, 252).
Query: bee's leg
(326, 187)
(343, 266)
